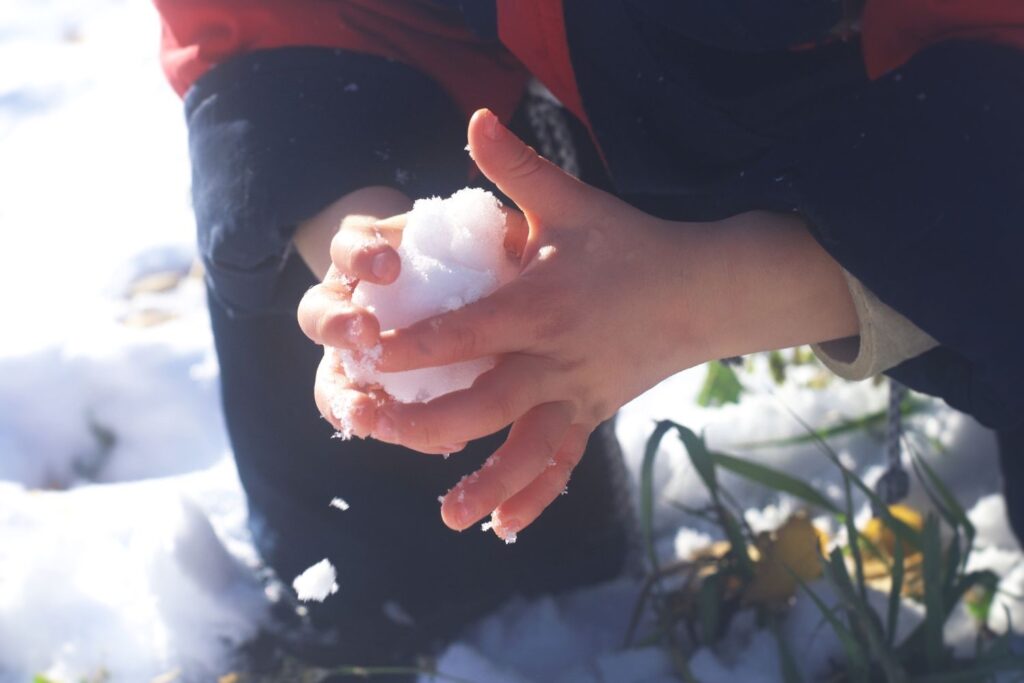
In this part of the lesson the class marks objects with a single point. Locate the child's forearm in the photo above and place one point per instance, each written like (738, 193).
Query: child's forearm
(771, 285)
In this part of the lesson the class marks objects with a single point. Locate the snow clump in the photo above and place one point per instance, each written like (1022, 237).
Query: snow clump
(317, 582)
(453, 253)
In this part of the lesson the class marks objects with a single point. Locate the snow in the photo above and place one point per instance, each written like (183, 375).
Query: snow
(452, 254)
(317, 582)
(125, 549)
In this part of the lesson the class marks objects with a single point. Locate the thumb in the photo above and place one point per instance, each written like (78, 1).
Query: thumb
(536, 185)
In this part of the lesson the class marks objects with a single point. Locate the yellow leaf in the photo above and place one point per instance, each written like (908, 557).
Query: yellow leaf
(794, 548)
(879, 533)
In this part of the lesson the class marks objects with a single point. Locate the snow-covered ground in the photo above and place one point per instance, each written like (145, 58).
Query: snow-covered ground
(123, 547)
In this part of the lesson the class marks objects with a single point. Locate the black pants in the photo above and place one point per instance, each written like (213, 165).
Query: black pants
(390, 546)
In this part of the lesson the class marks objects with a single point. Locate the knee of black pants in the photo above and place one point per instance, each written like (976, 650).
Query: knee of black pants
(392, 553)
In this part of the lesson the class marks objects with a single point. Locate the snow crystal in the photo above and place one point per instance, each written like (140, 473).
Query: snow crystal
(394, 611)
(317, 582)
(341, 408)
(495, 524)
(339, 503)
(452, 254)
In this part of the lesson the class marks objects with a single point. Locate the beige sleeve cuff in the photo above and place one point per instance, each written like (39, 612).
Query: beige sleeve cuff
(886, 339)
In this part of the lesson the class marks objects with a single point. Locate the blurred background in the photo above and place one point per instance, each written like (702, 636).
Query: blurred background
(124, 555)
(114, 465)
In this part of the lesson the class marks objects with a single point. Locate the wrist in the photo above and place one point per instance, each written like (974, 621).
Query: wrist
(760, 281)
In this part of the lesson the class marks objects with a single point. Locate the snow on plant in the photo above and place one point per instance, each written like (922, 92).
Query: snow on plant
(897, 558)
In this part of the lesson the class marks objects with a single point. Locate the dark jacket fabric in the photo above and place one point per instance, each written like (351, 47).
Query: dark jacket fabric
(893, 126)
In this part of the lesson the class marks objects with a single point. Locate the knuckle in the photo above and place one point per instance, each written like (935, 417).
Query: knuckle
(425, 433)
(599, 411)
(465, 340)
(339, 249)
(502, 489)
(561, 475)
(526, 163)
(329, 326)
(501, 407)
(548, 444)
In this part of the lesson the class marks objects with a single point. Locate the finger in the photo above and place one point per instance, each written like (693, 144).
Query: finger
(531, 445)
(517, 232)
(366, 250)
(536, 185)
(349, 410)
(497, 398)
(328, 317)
(503, 322)
(522, 509)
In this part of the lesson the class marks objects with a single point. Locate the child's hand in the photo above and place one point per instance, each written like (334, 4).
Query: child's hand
(610, 301)
(362, 249)
(595, 318)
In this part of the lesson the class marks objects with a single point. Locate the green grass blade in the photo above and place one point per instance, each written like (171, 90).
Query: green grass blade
(935, 612)
(705, 466)
(863, 423)
(915, 642)
(854, 539)
(951, 569)
(774, 479)
(895, 595)
(787, 664)
(898, 527)
(957, 516)
(949, 501)
(721, 386)
(856, 657)
(647, 490)
(709, 608)
(738, 543)
(700, 457)
(866, 618)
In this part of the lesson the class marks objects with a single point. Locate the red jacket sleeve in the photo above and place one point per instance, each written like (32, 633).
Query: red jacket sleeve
(197, 34)
(895, 30)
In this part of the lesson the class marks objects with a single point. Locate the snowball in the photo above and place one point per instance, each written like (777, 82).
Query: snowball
(453, 253)
(317, 582)
(339, 503)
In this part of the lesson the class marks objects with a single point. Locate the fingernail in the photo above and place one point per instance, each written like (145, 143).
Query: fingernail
(381, 265)
(505, 529)
(384, 428)
(492, 127)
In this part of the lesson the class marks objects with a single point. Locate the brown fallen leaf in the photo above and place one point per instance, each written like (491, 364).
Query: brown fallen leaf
(793, 548)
